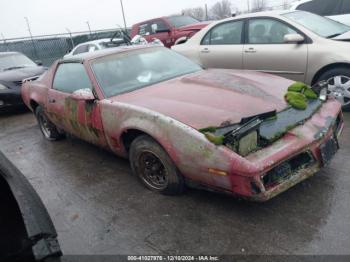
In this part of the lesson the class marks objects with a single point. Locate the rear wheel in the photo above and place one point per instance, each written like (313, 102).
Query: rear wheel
(48, 129)
(154, 167)
(338, 85)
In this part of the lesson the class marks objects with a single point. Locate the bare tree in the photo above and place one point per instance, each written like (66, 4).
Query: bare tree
(197, 13)
(259, 5)
(221, 10)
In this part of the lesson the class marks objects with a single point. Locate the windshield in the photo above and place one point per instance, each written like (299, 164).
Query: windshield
(125, 72)
(320, 25)
(179, 21)
(13, 61)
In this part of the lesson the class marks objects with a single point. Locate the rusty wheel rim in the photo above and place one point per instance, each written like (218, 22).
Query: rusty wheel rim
(152, 171)
(44, 125)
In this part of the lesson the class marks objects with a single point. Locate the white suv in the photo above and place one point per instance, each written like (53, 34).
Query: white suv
(95, 45)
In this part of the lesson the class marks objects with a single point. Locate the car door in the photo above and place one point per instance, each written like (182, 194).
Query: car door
(222, 46)
(70, 112)
(265, 49)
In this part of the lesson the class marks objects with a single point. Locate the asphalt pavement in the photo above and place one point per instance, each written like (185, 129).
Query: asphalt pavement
(99, 207)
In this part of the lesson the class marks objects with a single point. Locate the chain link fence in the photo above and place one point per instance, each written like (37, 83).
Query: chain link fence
(49, 48)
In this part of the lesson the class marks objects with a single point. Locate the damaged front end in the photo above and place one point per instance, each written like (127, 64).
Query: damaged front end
(281, 148)
(256, 132)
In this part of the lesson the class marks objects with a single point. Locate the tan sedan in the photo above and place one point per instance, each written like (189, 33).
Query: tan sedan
(294, 44)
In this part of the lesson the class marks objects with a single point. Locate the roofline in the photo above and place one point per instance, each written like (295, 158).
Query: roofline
(272, 13)
(102, 53)
(161, 17)
(71, 60)
(151, 19)
(120, 51)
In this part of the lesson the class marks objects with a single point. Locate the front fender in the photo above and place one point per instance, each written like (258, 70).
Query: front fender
(191, 152)
(34, 92)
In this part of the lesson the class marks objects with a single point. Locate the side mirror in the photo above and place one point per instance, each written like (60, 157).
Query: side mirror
(293, 39)
(39, 62)
(83, 95)
(163, 31)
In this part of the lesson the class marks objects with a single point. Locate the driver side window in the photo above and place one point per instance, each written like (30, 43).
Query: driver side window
(71, 77)
(268, 31)
(227, 33)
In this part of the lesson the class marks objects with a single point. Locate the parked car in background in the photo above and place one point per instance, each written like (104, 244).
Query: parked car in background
(171, 30)
(95, 45)
(14, 68)
(26, 230)
(338, 10)
(294, 44)
(179, 124)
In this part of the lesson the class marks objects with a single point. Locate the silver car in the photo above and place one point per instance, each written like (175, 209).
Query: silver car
(294, 44)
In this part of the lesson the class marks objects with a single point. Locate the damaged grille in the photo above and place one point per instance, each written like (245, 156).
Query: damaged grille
(245, 138)
(287, 169)
(258, 131)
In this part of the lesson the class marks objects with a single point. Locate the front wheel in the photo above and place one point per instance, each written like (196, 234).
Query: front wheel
(338, 85)
(48, 129)
(152, 165)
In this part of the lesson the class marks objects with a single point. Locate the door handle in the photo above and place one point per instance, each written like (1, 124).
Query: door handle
(250, 50)
(52, 100)
(205, 51)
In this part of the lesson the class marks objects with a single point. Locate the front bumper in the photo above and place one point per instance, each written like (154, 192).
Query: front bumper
(10, 98)
(318, 162)
(296, 156)
(296, 178)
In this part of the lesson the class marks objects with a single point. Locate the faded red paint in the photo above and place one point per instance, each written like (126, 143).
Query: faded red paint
(202, 99)
(172, 112)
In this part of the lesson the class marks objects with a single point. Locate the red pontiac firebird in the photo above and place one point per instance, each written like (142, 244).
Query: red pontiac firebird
(223, 130)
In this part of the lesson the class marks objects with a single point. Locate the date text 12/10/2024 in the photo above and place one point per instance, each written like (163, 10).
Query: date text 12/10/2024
(173, 258)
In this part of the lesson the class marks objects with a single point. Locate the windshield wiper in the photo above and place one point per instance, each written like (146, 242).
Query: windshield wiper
(331, 36)
(13, 67)
(335, 35)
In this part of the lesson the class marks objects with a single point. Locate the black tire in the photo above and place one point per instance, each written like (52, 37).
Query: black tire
(329, 77)
(153, 166)
(47, 128)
